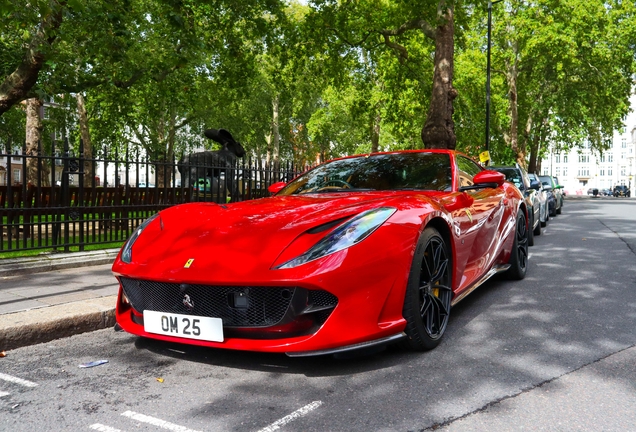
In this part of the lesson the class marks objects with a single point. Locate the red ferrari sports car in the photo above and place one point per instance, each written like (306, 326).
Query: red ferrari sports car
(359, 251)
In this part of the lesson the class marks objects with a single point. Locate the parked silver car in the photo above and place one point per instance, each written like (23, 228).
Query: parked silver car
(544, 196)
(519, 177)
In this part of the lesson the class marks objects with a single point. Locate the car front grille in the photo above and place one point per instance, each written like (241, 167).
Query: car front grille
(237, 306)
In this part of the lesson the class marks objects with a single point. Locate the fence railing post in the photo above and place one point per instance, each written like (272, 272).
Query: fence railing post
(77, 215)
(80, 204)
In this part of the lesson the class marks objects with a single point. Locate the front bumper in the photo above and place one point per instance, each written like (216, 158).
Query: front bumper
(353, 298)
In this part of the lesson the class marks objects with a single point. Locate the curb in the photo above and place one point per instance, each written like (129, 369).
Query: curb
(48, 262)
(54, 322)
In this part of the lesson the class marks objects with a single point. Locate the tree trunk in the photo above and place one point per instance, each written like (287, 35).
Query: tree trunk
(37, 169)
(439, 129)
(375, 133)
(512, 75)
(534, 147)
(275, 144)
(87, 145)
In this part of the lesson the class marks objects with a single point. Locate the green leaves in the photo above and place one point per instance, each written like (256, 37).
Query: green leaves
(157, 72)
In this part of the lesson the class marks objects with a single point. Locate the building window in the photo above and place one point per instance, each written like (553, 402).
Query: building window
(565, 159)
(602, 172)
(609, 172)
(624, 143)
(602, 158)
(622, 155)
(16, 176)
(623, 171)
(558, 171)
(610, 157)
(545, 171)
(557, 159)
(565, 171)
(584, 158)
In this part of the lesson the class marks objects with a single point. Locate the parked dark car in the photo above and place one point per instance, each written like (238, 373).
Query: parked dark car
(621, 191)
(530, 190)
(557, 190)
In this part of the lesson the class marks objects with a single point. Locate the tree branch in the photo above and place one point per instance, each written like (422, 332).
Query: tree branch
(16, 86)
(421, 24)
(345, 40)
(411, 25)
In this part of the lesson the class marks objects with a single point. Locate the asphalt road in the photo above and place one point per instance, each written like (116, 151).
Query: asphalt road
(554, 352)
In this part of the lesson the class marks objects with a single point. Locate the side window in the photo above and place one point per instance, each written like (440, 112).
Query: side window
(466, 169)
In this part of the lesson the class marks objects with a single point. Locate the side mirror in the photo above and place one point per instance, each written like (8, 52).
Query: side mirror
(489, 177)
(486, 179)
(536, 185)
(276, 187)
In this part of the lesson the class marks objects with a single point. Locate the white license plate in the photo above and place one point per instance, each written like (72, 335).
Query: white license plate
(186, 326)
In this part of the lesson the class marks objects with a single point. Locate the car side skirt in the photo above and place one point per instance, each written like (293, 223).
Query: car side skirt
(361, 345)
(493, 271)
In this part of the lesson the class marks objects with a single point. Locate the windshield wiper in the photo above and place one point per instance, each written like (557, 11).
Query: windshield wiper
(337, 190)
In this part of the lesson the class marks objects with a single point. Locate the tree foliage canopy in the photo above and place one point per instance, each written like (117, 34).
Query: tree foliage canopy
(318, 80)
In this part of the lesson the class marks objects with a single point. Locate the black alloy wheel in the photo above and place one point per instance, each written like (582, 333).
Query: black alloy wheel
(428, 295)
(519, 254)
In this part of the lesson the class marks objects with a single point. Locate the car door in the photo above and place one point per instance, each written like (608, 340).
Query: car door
(533, 195)
(479, 226)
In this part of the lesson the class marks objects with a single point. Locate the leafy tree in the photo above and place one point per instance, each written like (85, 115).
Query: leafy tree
(568, 72)
(396, 26)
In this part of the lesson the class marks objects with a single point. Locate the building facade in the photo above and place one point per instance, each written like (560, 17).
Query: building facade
(581, 169)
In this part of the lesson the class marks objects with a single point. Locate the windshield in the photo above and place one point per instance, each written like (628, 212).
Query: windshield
(512, 175)
(546, 181)
(392, 171)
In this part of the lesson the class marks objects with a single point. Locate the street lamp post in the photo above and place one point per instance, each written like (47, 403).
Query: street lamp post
(490, 3)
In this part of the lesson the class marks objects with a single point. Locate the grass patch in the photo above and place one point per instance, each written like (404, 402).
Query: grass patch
(18, 251)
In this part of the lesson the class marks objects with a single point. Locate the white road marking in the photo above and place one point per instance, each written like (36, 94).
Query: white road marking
(156, 422)
(3, 394)
(103, 428)
(17, 380)
(293, 416)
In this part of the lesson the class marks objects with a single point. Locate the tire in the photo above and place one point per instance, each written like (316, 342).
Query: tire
(547, 218)
(531, 229)
(558, 211)
(427, 300)
(519, 254)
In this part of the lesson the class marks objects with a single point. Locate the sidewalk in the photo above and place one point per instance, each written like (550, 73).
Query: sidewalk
(51, 296)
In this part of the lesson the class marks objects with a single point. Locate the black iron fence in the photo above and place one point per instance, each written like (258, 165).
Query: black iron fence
(65, 202)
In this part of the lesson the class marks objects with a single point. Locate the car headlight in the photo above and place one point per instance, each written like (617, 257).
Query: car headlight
(346, 235)
(126, 253)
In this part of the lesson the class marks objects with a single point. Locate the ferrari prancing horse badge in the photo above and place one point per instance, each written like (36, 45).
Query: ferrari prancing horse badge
(188, 263)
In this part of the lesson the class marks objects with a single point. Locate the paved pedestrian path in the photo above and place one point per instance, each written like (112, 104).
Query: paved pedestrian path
(52, 296)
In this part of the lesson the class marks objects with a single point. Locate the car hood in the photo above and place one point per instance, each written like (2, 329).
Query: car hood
(241, 241)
